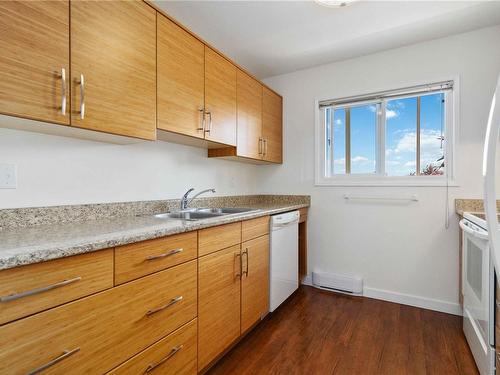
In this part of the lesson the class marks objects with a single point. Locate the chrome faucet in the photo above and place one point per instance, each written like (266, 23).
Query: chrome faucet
(185, 201)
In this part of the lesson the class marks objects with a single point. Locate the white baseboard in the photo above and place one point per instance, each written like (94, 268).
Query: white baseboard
(307, 280)
(412, 300)
(405, 299)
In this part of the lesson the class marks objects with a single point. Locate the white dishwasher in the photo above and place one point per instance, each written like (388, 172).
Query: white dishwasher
(284, 262)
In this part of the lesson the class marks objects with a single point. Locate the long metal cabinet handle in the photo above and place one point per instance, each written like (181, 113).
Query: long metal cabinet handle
(174, 350)
(209, 122)
(246, 268)
(260, 145)
(65, 355)
(202, 112)
(172, 302)
(164, 255)
(14, 296)
(82, 97)
(238, 275)
(63, 91)
(265, 146)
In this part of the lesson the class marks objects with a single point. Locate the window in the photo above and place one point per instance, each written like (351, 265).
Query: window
(388, 138)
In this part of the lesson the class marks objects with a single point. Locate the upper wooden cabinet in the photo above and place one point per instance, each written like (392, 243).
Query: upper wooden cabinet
(181, 79)
(34, 60)
(220, 98)
(259, 123)
(126, 68)
(113, 67)
(272, 126)
(249, 93)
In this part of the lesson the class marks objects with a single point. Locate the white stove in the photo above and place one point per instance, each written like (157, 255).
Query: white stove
(478, 278)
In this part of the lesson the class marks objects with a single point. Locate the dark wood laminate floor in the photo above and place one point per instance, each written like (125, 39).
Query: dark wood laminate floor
(317, 332)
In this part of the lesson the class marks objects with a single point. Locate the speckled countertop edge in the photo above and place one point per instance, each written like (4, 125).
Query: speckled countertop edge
(25, 246)
(471, 205)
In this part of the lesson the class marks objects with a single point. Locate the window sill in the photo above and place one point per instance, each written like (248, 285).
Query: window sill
(387, 181)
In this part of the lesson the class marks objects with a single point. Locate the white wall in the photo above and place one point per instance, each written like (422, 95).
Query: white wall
(55, 170)
(397, 249)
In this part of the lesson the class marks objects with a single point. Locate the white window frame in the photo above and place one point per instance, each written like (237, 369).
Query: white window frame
(448, 179)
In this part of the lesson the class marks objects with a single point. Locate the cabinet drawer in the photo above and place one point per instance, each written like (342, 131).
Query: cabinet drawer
(97, 333)
(146, 257)
(254, 228)
(30, 289)
(217, 238)
(173, 355)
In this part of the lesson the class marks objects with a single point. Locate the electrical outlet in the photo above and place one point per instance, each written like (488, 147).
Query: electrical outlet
(8, 176)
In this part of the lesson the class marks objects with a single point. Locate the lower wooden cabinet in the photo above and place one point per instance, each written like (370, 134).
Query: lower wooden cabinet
(254, 281)
(218, 303)
(173, 355)
(181, 302)
(97, 333)
(233, 295)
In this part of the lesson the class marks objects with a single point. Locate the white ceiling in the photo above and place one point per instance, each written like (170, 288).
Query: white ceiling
(274, 37)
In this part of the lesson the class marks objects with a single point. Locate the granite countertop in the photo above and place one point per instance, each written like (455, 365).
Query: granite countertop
(26, 245)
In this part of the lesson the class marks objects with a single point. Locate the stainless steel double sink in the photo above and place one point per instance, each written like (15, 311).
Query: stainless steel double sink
(204, 213)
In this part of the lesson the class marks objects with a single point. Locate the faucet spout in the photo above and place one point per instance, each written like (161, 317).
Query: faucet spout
(185, 201)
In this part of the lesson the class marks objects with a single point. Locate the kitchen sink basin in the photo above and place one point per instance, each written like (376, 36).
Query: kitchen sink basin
(203, 213)
(226, 210)
(188, 215)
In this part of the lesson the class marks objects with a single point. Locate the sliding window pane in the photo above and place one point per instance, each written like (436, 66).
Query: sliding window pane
(432, 134)
(363, 139)
(401, 140)
(339, 124)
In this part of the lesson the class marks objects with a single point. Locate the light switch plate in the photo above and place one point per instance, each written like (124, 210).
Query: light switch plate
(8, 176)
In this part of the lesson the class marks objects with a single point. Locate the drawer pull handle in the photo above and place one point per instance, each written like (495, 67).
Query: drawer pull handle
(174, 351)
(82, 96)
(172, 302)
(209, 113)
(65, 355)
(14, 296)
(238, 274)
(202, 113)
(63, 91)
(246, 268)
(164, 255)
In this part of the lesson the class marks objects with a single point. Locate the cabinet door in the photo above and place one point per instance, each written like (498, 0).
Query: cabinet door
(272, 124)
(220, 98)
(34, 51)
(218, 303)
(255, 281)
(181, 83)
(249, 94)
(113, 46)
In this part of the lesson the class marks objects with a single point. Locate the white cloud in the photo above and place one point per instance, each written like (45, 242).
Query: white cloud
(338, 122)
(391, 113)
(405, 150)
(407, 143)
(359, 159)
(340, 161)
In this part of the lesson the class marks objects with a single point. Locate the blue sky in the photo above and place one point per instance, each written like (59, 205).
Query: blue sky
(400, 136)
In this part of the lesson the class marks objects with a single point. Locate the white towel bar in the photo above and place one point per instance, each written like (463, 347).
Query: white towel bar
(412, 198)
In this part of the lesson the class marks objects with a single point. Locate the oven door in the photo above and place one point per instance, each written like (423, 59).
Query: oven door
(478, 279)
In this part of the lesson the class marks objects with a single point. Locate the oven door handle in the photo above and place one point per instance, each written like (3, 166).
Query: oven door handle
(483, 235)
